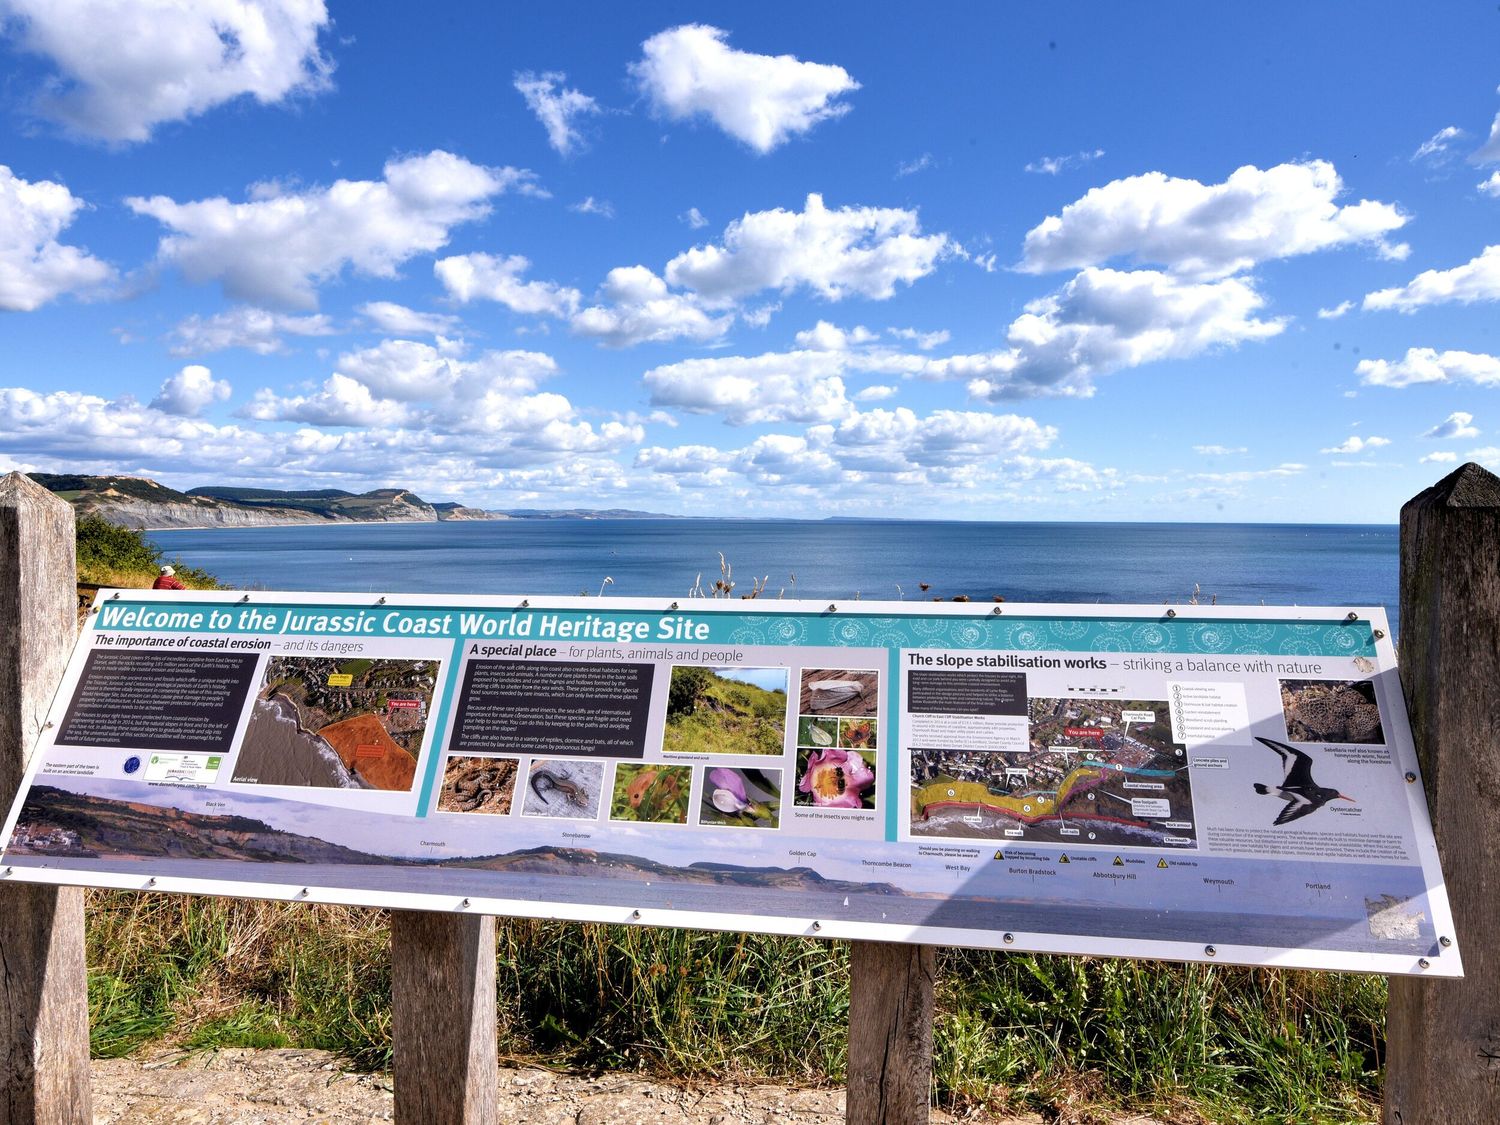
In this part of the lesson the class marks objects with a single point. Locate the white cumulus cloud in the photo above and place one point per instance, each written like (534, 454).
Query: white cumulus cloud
(1442, 457)
(126, 66)
(278, 247)
(557, 107)
(258, 330)
(1356, 444)
(1456, 425)
(635, 306)
(803, 386)
(190, 391)
(1491, 186)
(473, 277)
(762, 100)
(1476, 280)
(848, 251)
(1489, 152)
(1337, 311)
(35, 267)
(1210, 230)
(1428, 365)
(402, 321)
(341, 401)
(1105, 320)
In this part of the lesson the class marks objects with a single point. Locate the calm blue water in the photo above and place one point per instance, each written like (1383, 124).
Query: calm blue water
(1246, 564)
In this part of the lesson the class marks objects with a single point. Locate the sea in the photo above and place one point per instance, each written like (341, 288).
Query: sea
(895, 560)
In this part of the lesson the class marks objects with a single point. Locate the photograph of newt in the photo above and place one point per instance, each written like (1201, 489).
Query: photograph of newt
(565, 789)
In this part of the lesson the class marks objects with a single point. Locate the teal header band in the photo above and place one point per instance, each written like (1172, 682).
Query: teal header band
(643, 629)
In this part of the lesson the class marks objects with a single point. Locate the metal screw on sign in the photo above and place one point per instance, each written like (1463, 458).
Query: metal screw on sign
(525, 603)
(817, 926)
(382, 600)
(672, 608)
(1008, 938)
(1210, 951)
(996, 612)
(464, 905)
(302, 893)
(1445, 942)
(1423, 963)
(1171, 613)
(1352, 616)
(635, 915)
(9, 871)
(246, 598)
(151, 882)
(1411, 777)
(832, 608)
(1379, 634)
(47, 725)
(115, 596)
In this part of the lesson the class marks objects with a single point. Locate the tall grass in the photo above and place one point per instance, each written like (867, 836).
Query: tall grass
(1012, 1031)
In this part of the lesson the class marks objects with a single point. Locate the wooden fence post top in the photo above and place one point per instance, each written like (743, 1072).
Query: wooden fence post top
(1468, 486)
(17, 488)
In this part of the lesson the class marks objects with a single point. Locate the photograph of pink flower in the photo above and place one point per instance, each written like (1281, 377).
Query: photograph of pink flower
(836, 778)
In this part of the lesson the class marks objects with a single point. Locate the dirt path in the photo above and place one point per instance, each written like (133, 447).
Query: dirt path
(244, 1087)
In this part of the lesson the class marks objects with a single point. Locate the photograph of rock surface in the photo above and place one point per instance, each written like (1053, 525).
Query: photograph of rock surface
(338, 724)
(1331, 711)
(478, 785)
(566, 789)
(839, 691)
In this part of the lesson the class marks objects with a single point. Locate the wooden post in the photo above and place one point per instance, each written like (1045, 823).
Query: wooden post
(890, 1033)
(443, 1018)
(44, 1013)
(1443, 1036)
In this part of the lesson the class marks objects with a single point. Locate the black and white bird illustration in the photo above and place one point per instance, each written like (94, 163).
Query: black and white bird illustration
(1303, 795)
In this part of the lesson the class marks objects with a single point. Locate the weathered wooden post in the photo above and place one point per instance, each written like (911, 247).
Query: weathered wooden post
(1443, 1036)
(44, 1015)
(890, 1033)
(443, 1018)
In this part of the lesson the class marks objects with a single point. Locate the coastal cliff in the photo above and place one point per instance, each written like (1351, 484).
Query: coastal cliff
(142, 503)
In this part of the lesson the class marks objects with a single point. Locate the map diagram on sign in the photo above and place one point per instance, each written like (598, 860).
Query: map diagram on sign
(338, 724)
(1096, 771)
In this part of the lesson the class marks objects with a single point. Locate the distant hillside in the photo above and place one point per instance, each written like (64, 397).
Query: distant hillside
(142, 503)
(138, 502)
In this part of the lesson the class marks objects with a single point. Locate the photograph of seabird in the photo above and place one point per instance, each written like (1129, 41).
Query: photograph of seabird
(1303, 795)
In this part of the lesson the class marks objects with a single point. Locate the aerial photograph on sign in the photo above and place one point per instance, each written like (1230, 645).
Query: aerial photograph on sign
(1098, 771)
(338, 724)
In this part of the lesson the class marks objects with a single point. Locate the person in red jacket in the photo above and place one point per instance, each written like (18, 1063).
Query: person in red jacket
(168, 580)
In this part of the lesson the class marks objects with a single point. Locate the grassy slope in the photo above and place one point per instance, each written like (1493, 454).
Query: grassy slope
(1045, 1033)
(730, 718)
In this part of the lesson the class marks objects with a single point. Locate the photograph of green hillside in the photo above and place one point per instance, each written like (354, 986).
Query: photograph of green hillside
(726, 710)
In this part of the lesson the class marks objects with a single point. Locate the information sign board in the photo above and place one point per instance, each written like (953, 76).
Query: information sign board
(1199, 783)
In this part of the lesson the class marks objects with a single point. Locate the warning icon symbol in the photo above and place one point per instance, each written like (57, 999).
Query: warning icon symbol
(1118, 862)
(1064, 858)
(1162, 864)
(999, 855)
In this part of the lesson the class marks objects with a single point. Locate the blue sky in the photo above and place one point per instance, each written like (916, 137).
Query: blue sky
(1103, 262)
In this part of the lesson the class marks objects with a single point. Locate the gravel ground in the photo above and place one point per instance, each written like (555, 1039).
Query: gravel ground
(245, 1087)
